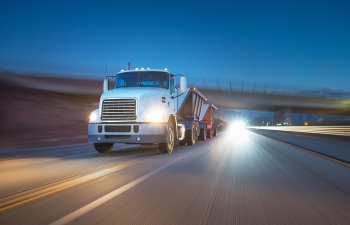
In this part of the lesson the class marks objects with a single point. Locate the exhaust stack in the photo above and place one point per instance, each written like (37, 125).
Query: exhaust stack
(128, 66)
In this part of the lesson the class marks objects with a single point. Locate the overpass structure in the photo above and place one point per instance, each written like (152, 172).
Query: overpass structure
(279, 103)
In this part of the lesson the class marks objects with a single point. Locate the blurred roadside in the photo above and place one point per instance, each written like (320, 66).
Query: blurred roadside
(45, 111)
(39, 111)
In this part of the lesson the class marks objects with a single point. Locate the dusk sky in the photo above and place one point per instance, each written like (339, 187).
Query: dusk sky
(304, 45)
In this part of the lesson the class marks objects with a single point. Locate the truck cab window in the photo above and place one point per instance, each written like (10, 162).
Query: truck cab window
(143, 79)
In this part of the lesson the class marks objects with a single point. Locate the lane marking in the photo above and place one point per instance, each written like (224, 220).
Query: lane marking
(310, 151)
(59, 187)
(85, 209)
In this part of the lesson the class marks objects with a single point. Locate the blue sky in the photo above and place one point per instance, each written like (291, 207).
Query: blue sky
(293, 43)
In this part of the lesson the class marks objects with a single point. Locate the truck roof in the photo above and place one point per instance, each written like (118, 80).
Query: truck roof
(140, 70)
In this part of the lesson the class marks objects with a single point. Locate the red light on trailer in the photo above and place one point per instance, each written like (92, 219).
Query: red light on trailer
(205, 99)
(209, 126)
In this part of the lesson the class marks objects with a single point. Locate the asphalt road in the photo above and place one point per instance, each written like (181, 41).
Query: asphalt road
(235, 178)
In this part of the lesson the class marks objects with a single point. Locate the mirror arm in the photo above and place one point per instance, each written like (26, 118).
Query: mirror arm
(174, 75)
(172, 97)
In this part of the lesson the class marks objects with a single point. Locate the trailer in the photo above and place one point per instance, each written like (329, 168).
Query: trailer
(189, 115)
(146, 107)
(208, 127)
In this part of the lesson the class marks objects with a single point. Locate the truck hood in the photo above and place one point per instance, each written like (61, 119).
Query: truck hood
(134, 92)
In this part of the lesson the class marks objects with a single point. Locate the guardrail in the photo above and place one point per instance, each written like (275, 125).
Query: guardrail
(329, 130)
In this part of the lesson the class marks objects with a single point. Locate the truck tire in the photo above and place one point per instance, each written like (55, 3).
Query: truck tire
(168, 146)
(191, 136)
(209, 133)
(203, 134)
(215, 133)
(103, 147)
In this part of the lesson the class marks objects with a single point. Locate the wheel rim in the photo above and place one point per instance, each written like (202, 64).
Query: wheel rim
(170, 137)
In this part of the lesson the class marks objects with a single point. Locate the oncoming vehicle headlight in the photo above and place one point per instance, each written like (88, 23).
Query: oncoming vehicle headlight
(154, 116)
(93, 116)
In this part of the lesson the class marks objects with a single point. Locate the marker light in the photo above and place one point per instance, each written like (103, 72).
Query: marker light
(205, 99)
(154, 116)
(194, 88)
(165, 69)
(136, 68)
(122, 70)
(142, 68)
(148, 68)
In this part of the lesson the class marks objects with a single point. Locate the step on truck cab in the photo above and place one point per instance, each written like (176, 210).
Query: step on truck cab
(207, 125)
(146, 107)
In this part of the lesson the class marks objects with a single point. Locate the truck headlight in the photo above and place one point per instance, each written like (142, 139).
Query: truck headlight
(154, 116)
(93, 116)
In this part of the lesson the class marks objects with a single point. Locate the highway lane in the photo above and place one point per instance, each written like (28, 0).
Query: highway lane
(236, 178)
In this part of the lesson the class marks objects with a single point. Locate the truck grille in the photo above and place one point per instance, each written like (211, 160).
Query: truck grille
(118, 110)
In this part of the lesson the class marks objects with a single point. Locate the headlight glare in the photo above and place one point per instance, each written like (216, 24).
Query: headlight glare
(93, 116)
(154, 116)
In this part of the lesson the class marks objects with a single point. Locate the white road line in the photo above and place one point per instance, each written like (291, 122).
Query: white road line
(85, 209)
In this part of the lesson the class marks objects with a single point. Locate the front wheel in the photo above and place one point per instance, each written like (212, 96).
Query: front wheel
(168, 146)
(103, 147)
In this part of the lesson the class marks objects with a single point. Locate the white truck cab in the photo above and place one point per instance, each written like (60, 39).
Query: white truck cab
(145, 107)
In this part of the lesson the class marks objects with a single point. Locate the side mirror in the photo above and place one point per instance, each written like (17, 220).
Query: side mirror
(105, 85)
(183, 85)
(174, 88)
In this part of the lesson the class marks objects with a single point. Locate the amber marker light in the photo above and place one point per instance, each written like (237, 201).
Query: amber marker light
(142, 68)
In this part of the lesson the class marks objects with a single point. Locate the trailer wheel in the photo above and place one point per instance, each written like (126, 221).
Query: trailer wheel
(215, 133)
(168, 146)
(203, 134)
(209, 133)
(103, 147)
(191, 136)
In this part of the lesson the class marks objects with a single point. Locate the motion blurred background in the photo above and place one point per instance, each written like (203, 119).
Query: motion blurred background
(55, 54)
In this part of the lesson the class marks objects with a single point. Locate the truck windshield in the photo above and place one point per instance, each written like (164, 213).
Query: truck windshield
(142, 79)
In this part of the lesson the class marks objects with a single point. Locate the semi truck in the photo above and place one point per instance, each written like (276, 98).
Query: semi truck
(146, 107)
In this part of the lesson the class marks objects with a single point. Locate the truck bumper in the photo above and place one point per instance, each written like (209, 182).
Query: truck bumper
(137, 133)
